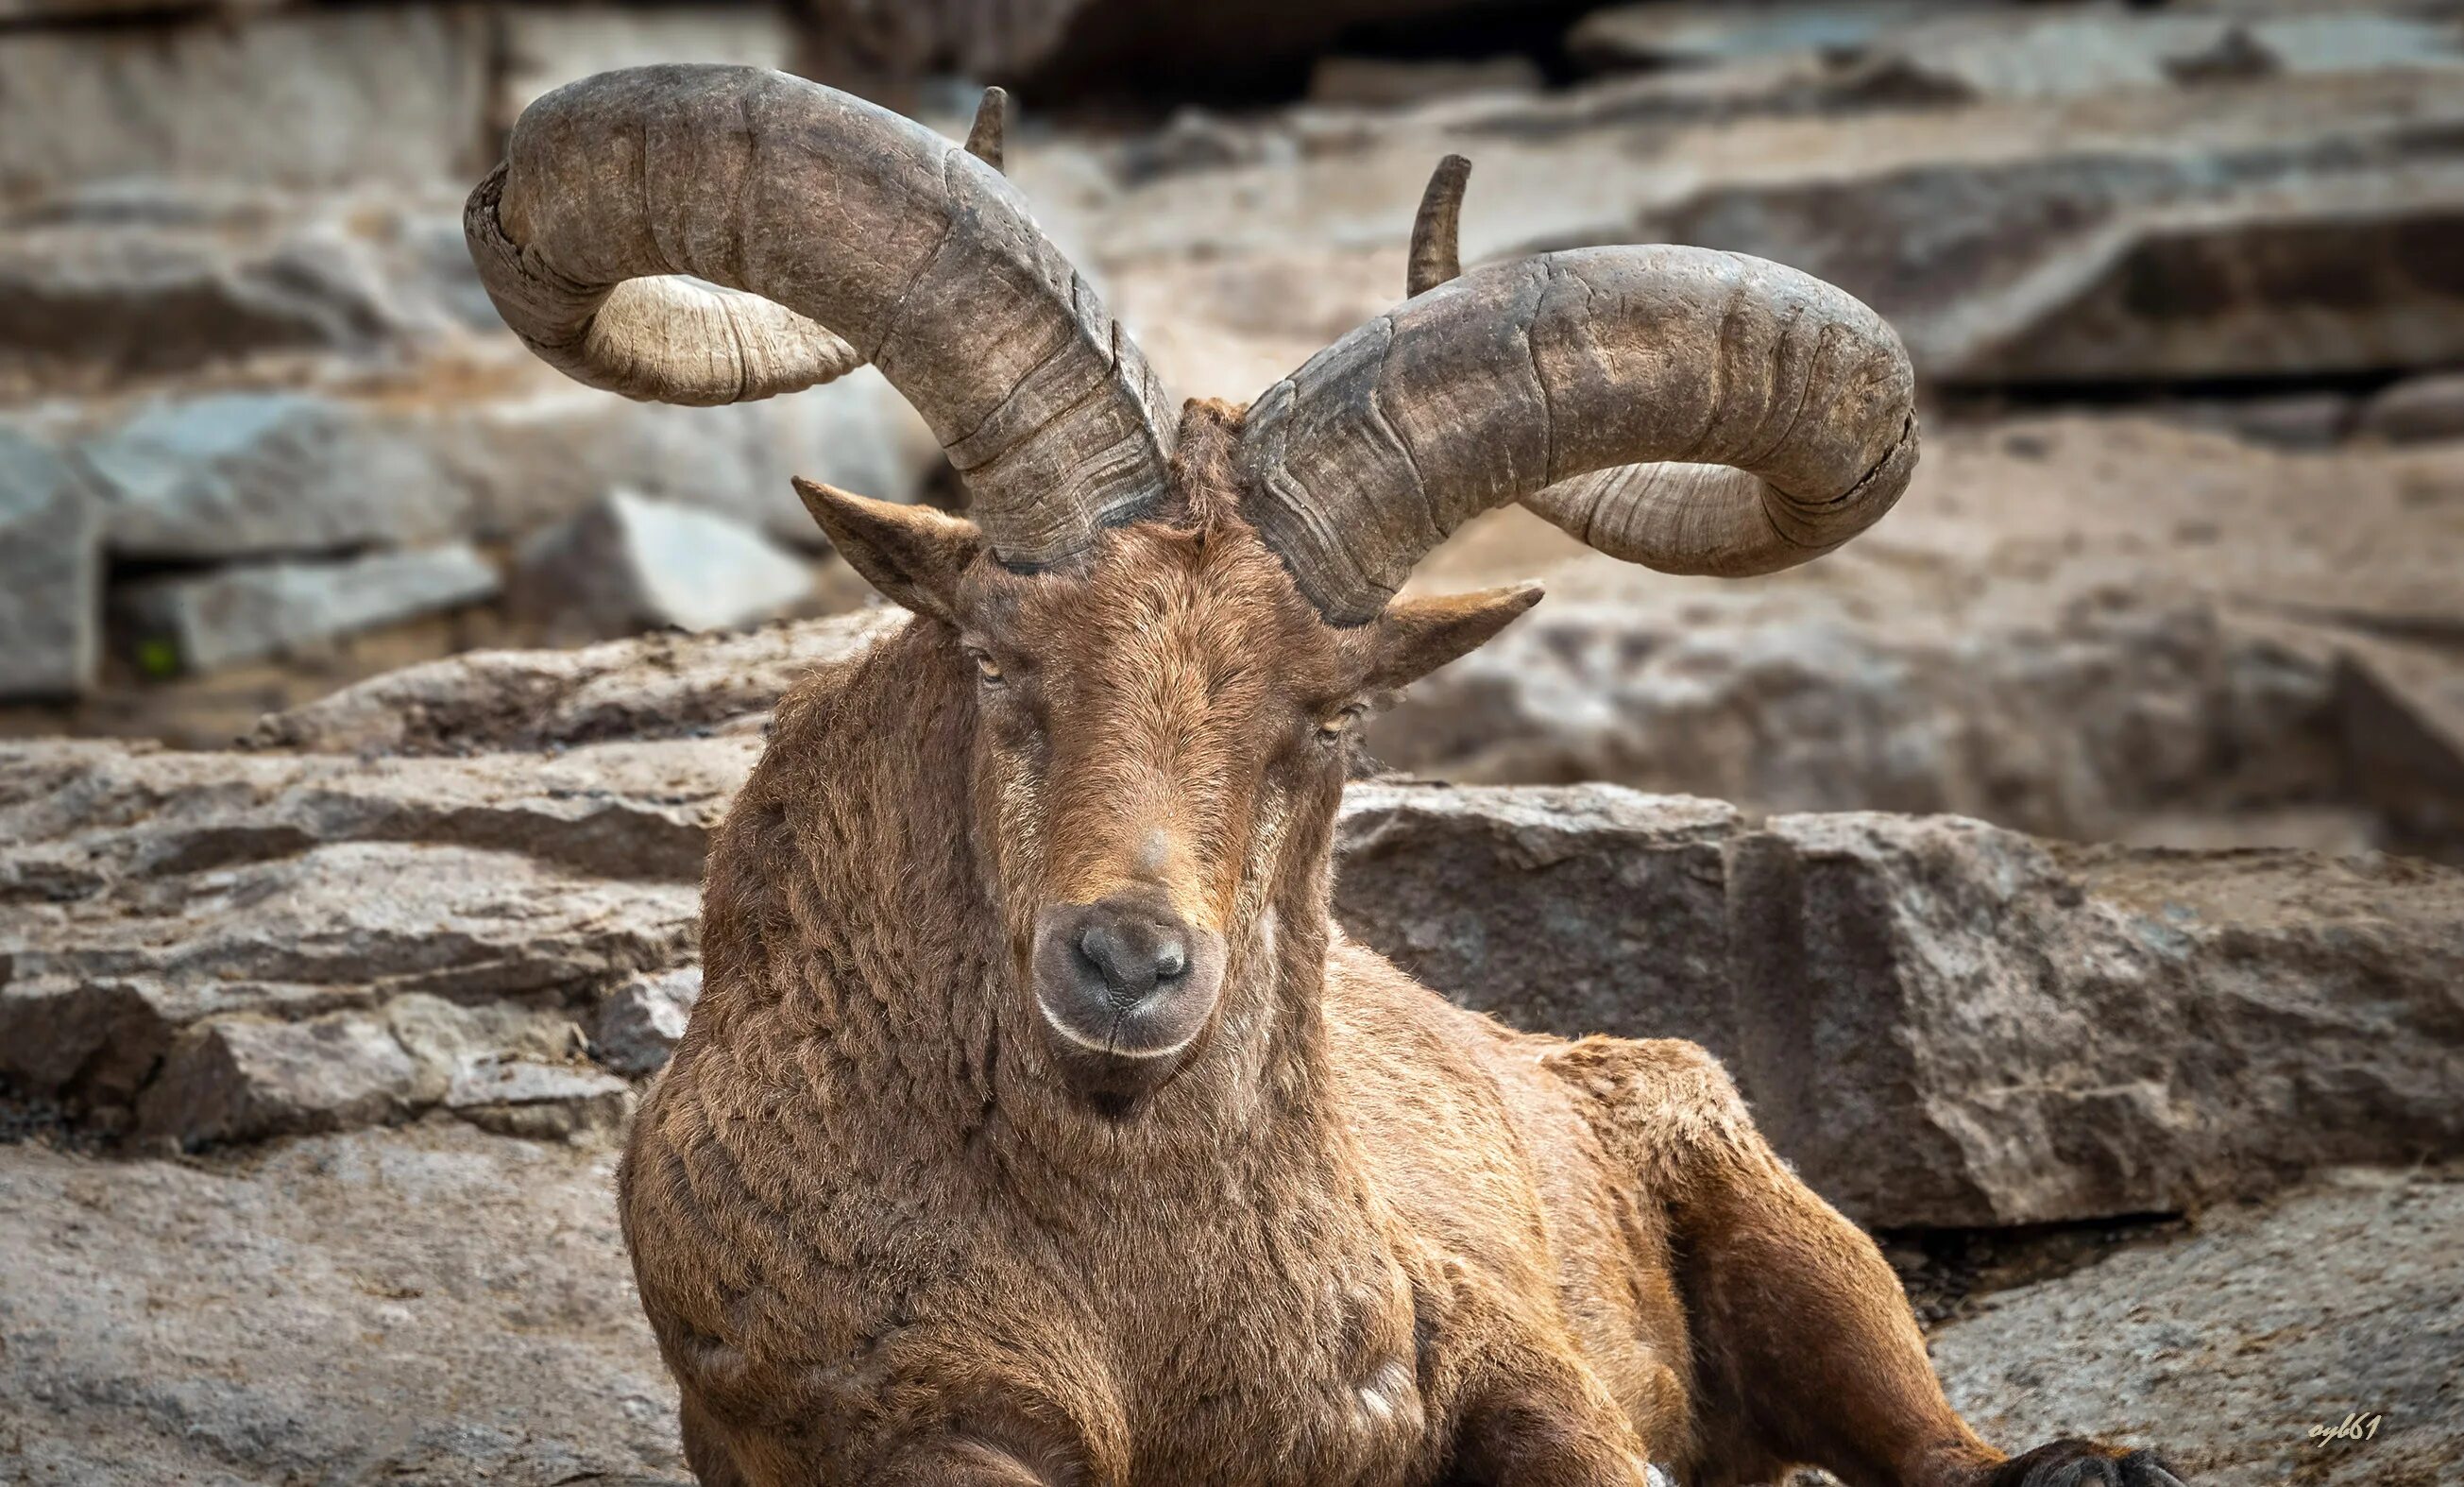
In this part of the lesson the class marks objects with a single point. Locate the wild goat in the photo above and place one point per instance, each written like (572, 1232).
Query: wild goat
(1036, 1125)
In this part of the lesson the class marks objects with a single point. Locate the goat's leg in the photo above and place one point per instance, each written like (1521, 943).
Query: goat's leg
(706, 1449)
(1806, 1349)
(1533, 1417)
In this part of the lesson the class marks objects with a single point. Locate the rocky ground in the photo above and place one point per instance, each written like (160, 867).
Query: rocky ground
(434, 1304)
(2059, 867)
(324, 1044)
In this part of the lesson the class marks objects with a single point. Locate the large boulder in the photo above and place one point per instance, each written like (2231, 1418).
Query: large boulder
(305, 97)
(139, 278)
(492, 450)
(216, 946)
(2115, 712)
(250, 612)
(1945, 1023)
(626, 563)
(51, 574)
(655, 686)
(1939, 1022)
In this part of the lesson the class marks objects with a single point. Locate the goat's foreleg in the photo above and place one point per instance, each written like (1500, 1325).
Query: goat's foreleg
(1806, 1349)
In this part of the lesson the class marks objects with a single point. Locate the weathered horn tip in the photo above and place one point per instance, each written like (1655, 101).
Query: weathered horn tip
(984, 137)
(1436, 227)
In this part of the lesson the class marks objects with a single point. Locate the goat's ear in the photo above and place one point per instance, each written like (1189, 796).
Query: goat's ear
(913, 554)
(1416, 636)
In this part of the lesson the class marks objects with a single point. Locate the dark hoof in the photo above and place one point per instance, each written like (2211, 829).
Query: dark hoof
(2083, 1463)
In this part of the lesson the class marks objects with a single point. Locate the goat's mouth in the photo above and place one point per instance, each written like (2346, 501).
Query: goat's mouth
(1125, 991)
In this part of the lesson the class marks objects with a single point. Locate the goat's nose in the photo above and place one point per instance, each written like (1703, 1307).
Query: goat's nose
(1134, 950)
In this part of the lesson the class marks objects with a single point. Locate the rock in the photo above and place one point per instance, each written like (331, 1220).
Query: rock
(487, 452)
(1557, 936)
(2227, 1348)
(1062, 48)
(275, 609)
(2417, 410)
(628, 563)
(131, 278)
(1662, 35)
(639, 1023)
(428, 1306)
(546, 49)
(2137, 237)
(1946, 1024)
(539, 1102)
(84, 814)
(513, 1349)
(476, 905)
(1382, 82)
(236, 475)
(236, 1078)
(396, 93)
(2300, 420)
(51, 574)
(2088, 721)
(1940, 1023)
(657, 686)
(1990, 53)
(2401, 706)
(2345, 277)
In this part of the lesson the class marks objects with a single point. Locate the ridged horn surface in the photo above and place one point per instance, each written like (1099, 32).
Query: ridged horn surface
(1691, 411)
(836, 232)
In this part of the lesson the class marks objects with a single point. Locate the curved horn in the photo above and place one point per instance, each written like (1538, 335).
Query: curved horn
(1558, 381)
(866, 236)
(1435, 227)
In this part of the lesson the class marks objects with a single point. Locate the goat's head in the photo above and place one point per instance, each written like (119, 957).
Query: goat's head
(1174, 623)
(1163, 728)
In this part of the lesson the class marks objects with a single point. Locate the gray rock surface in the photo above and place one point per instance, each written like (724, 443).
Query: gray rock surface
(136, 279)
(234, 475)
(626, 563)
(2227, 1348)
(638, 1025)
(655, 686)
(546, 47)
(429, 1305)
(395, 92)
(250, 612)
(2092, 720)
(171, 921)
(492, 450)
(2136, 234)
(51, 574)
(1946, 1023)
(1942, 1022)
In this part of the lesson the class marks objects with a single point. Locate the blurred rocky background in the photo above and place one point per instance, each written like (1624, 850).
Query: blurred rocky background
(2072, 868)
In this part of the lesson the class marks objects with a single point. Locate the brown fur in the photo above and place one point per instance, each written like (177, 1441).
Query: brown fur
(1358, 1236)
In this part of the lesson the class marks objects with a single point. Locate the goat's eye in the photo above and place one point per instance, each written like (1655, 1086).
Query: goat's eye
(987, 670)
(1337, 724)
